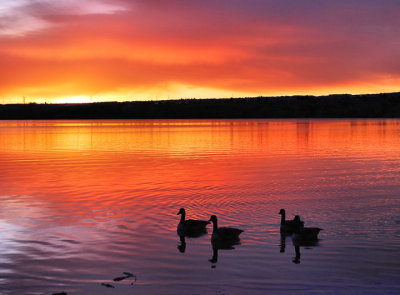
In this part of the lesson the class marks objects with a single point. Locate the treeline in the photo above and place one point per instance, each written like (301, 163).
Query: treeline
(385, 105)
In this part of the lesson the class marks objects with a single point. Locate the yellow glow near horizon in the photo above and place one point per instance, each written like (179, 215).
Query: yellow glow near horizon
(73, 99)
(179, 91)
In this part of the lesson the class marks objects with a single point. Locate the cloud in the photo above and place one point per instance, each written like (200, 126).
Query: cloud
(20, 17)
(253, 46)
(14, 22)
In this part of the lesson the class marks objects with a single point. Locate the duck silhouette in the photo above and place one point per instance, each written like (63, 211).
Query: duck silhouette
(221, 235)
(222, 238)
(304, 234)
(191, 227)
(287, 226)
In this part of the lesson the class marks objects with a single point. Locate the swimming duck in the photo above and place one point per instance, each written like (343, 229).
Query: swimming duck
(190, 227)
(287, 226)
(305, 233)
(224, 234)
(308, 233)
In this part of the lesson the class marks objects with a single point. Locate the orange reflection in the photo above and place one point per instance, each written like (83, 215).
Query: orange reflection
(103, 163)
(107, 154)
(202, 137)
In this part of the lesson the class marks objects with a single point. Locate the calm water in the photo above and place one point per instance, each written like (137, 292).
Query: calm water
(84, 201)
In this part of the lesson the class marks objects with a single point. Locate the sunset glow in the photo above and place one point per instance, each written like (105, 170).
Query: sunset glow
(103, 50)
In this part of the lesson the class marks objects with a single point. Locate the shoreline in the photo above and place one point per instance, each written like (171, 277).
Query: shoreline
(385, 105)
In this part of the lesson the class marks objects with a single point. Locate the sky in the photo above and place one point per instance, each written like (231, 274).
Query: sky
(116, 50)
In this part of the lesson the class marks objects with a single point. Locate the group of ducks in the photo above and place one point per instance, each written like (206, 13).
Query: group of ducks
(296, 227)
(195, 228)
(230, 235)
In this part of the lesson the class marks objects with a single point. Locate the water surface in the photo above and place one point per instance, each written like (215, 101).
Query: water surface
(84, 201)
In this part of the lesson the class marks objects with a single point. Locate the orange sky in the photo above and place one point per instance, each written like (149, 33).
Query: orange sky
(82, 50)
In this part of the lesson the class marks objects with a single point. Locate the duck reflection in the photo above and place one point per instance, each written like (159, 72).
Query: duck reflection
(182, 239)
(182, 246)
(296, 259)
(214, 258)
(282, 244)
(221, 245)
(297, 243)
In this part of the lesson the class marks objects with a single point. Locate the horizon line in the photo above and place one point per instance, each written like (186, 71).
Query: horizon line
(193, 98)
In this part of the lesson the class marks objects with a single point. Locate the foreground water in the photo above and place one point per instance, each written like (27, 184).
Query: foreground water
(84, 201)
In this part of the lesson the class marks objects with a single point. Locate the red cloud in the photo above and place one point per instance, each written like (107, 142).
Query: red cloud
(255, 47)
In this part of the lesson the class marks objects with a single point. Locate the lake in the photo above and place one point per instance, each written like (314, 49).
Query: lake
(84, 201)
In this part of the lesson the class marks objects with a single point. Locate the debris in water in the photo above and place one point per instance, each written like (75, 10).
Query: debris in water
(120, 278)
(128, 275)
(107, 285)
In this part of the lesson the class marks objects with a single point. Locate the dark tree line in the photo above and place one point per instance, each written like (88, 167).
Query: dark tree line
(333, 106)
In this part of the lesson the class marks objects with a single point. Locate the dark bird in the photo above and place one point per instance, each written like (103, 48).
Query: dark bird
(190, 227)
(305, 233)
(228, 235)
(287, 226)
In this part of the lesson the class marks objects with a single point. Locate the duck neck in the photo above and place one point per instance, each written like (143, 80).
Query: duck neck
(183, 215)
(283, 218)
(215, 226)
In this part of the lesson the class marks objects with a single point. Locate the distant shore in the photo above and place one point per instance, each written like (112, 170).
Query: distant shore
(385, 105)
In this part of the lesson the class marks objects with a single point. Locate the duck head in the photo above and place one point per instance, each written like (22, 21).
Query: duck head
(213, 218)
(282, 212)
(181, 211)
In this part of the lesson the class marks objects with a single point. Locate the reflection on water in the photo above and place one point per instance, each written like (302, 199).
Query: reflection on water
(216, 246)
(182, 246)
(82, 202)
(297, 244)
(296, 259)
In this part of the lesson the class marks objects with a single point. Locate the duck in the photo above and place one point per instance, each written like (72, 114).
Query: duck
(224, 235)
(308, 233)
(287, 226)
(305, 233)
(191, 227)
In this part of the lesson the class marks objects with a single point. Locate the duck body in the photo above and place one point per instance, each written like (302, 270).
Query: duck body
(191, 227)
(308, 233)
(305, 233)
(224, 235)
(227, 234)
(288, 226)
